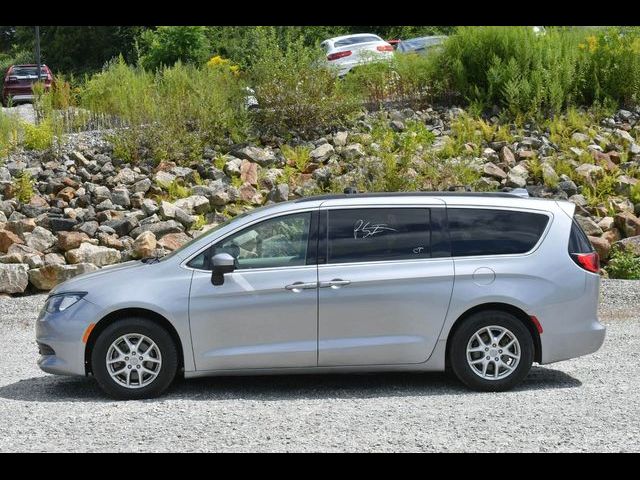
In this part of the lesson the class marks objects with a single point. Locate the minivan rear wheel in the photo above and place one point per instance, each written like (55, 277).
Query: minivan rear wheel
(491, 351)
(134, 358)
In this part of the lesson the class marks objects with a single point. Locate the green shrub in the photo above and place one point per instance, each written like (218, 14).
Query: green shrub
(624, 264)
(609, 67)
(9, 128)
(175, 190)
(23, 186)
(408, 79)
(296, 91)
(512, 67)
(38, 137)
(298, 156)
(173, 113)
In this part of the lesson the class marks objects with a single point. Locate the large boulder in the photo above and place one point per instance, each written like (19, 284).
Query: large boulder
(145, 245)
(249, 172)
(590, 227)
(98, 255)
(628, 224)
(41, 239)
(601, 245)
(159, 229)
(14, 277)
(262, 156)
(195, 204)
(7, 239)
(631, 245)
(71, 240)
(47, 277)
(321, 153)
(173, 241)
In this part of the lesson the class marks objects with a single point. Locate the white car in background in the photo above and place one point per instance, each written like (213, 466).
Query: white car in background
(349, 51)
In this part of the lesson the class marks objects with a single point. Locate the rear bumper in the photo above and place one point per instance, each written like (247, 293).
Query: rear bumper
(571, 344)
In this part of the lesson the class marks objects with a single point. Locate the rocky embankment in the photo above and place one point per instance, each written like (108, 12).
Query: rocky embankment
(88, 209)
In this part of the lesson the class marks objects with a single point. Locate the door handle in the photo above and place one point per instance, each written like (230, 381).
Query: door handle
(335, 283)
(297, 287)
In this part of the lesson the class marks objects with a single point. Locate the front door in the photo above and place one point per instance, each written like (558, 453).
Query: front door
(265, 313)
(385, 288)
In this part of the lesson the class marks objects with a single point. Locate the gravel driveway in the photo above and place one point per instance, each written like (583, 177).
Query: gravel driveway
(587, 404)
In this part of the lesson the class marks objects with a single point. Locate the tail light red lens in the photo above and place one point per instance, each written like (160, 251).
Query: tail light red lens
(337, 55)
(589, 261)
(384, 48)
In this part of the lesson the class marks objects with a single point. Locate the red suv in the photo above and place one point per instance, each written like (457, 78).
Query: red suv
(19, 80)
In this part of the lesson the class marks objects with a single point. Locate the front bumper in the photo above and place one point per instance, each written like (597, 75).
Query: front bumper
(63, 332)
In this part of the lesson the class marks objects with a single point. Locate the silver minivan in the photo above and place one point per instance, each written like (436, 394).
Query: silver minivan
(479, 284)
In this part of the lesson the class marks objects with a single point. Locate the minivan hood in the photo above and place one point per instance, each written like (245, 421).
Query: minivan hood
(88, 281)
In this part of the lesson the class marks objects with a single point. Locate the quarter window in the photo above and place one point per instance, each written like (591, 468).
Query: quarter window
(376, 234)
(476, 231)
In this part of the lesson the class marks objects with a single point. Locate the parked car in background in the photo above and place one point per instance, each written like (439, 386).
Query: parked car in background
(19, 80)
(350, 51)
(421, 44)
(394, 42)
(539, 30)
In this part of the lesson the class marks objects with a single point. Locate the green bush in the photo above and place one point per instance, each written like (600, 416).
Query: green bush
(609, 67)
(407, 79)
(9, 130)
(23, 186)
(512, 67)
(296, 91)
(38, 137)
(624, 264)
(174, 113)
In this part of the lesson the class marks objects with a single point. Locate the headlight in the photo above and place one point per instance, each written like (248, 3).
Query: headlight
(62, 301)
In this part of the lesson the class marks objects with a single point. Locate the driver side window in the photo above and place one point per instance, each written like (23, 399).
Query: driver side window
(277, 242)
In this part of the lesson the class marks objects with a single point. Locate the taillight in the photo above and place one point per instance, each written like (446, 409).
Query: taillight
(384, 48)
(337, 55)
(589, 261)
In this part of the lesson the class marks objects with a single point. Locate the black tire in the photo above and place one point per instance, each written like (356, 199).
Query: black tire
(458, 351)
(150, 329)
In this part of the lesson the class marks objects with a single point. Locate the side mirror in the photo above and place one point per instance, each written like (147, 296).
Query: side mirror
(222, 263)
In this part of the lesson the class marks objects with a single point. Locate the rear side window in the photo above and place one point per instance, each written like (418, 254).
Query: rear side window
(578, 241)
(475, 231)
(377, 234)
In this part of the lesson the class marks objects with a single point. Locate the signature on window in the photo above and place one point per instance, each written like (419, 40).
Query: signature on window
(367, 229)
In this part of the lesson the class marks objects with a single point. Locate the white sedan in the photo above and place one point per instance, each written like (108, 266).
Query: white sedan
(350, 51)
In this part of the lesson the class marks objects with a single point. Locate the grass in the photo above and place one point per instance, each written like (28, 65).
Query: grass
(175, 190)
(297, 156)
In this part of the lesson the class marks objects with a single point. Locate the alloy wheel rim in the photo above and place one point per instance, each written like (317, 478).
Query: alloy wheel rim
(493, 352)
(134, 360)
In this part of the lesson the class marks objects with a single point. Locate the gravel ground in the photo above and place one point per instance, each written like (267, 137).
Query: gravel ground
(586, 404)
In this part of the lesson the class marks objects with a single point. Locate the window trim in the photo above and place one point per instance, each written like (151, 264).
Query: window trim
(323, 245)
(543, 235)
(184, 263)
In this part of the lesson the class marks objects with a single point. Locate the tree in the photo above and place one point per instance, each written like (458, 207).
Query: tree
(167, 45)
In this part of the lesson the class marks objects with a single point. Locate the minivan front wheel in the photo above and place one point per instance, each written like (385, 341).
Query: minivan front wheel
(134, 358)
(491, 351)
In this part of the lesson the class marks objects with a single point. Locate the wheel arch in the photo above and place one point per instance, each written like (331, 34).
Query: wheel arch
(504, 307)
(114, 316)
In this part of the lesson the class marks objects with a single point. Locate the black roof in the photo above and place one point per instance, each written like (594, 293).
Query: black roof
(337, 196)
